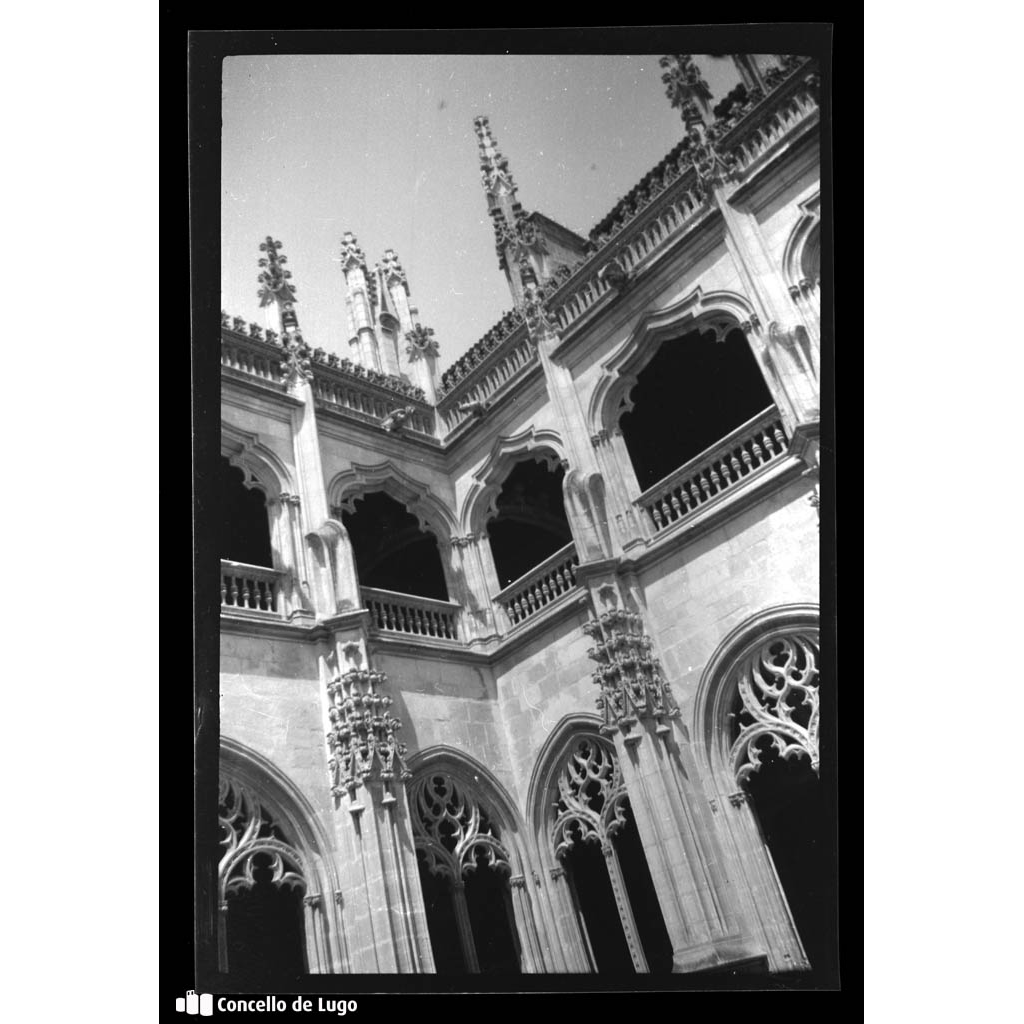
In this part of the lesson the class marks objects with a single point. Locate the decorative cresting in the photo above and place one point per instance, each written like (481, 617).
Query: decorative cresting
(363, 738)
(778, 689)
(687, 90)
(632, 685)
(275, 288)
(589, 806)
(247, 831)
(452, 830)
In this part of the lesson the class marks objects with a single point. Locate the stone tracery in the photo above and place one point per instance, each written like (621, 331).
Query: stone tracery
(452, 829)
(591, 795)
(778, 690)
(247, 831)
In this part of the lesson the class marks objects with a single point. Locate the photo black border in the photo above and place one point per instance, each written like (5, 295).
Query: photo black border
(187, 963)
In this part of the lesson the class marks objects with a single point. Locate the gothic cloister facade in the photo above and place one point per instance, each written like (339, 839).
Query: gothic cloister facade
(520, 662)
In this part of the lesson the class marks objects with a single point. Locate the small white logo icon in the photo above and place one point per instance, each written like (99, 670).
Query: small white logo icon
(191, 1003)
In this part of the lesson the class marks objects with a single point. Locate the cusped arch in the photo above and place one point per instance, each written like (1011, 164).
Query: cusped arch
(430, 511)
(480, 504)
(803, 243)
(262, 467)
(718, 312)
(542, 779)
(717, 688)
(478, 781)
(285, 802)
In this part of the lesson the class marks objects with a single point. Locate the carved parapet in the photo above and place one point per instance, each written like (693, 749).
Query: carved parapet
(363, 738)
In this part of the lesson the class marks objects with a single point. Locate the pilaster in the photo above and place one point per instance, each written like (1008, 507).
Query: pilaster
(671, 811)
(367, 772)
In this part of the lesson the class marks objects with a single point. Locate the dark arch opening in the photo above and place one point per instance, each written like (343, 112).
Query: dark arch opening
(243, 527)
(492, 919)
(531, 523)
(265, 932)
(694, 392)
(587, 869)
(790, 806)
(391, 551)
(643, 897)
(595, 901)
(441, 922)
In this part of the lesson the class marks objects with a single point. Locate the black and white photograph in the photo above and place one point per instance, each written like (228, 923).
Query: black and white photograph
(518, 511)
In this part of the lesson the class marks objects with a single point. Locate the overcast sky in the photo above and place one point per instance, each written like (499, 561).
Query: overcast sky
(384, 146)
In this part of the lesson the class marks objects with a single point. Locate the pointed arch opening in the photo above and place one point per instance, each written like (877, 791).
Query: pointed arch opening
(529, 523)
(466, 862)
(243, 527)
(600, 870)
(698, 388)
(277, 895)
(393, 550)
(758, 716)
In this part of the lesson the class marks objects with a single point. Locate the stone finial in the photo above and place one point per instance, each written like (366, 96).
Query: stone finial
(351, 254)
(393, 270)
(493, 166)
(421, 342)
(685, 87)
(273, 278)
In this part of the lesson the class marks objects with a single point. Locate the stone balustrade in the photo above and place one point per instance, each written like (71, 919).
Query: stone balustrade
(679, 201)
(409, 614)
(741, 454)
(496, 369)
(784, 109)
(349, 393)
(252, 588)
(527, 595)
(251, 357)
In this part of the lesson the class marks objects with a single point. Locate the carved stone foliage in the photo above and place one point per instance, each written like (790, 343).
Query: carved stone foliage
(539, 321)
(451, 828)
(589, 806)
(421, 342)
(250, 839)
(363, 738)
(298, 364)
(630, 678)
(273, 278)
(777, 689)
(393, 269)
(351, 253)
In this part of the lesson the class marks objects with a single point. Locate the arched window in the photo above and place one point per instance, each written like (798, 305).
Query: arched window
(392, 551)
(810, 258)
(243, 525)
(774, 756)
(261, 882)
(464, 870)
(696, 390)
(531, 523)
(594, 837)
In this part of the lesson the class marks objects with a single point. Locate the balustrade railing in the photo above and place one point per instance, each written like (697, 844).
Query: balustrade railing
(409, 614)
(530, 593)
(349, 393)
(481, 383)
(741, 454)
(783, 110)
(250, 587)
(251, 358)
(678, 203)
